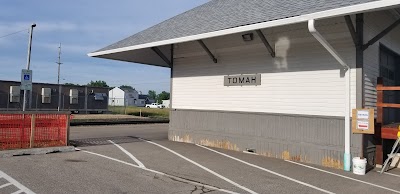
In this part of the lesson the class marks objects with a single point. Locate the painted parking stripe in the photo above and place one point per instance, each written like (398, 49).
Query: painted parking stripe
(346, 177)
(18, 192)
(164, 174)
(392, 174)
(266, 170)
(129, 154)
(201, 166)
(22, 188)
(396, 175)
(5, 185)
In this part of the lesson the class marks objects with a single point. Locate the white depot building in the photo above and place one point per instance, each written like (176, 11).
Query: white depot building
(278, 78)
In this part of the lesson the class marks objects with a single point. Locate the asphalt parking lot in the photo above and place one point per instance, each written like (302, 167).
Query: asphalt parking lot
(140, 159)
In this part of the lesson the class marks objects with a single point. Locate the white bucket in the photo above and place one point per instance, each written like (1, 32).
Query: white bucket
(359, 165)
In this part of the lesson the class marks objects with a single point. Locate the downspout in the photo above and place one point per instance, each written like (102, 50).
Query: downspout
(332, 51)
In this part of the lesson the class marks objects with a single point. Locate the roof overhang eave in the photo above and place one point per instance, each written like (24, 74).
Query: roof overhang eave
(349, 10)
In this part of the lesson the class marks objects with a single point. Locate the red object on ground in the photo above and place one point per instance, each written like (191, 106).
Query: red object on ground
(16, 130)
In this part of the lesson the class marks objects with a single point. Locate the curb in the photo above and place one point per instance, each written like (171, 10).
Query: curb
(35, 151)
(116, 122)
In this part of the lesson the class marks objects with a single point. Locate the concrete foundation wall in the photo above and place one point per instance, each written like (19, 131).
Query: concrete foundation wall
(312, 139)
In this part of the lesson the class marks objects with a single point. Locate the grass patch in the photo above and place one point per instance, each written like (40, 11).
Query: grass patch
(136, 111)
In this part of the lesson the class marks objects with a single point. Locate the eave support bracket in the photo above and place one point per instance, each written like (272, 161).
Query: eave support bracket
(381, 34)
(161, 55)
(352, 29)
(266, 43)
(207, 50)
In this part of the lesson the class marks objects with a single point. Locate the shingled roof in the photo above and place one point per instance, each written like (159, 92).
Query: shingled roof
(218, 15)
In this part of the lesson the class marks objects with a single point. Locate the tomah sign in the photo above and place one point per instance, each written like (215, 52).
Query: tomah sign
(242, 80)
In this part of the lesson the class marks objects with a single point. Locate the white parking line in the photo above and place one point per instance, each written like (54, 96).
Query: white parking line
(269, 171)
(202, 167)
(161, 173)
(16, 183)
(346, 177)
(18, 192)
(5, 185)
(396, 175)
(129, 154)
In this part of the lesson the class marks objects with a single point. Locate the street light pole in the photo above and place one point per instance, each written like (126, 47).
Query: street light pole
(28, 61)
(58, 77)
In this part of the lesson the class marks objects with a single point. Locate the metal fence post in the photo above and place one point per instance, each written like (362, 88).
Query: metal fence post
(37, 98)
(67, 128)
(32, 138)
(86, 100)
(8, 100)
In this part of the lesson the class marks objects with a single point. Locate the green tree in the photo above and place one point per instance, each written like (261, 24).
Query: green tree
(152, 94)
(126, 87)
(71, 84)
(163, 96)
(98, 83)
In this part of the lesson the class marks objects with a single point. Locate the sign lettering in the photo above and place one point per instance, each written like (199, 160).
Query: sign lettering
(242, 80)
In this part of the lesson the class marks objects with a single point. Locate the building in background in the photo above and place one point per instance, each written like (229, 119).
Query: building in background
(44, 97)
(127, 97)
(166, 103)
(144, 99)
(260, 75)
(123, 97)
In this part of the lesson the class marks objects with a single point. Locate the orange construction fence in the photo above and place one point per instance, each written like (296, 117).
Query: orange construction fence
(19, 130)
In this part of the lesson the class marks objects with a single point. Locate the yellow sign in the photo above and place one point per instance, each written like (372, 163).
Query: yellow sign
(363, 121)
(398, 133)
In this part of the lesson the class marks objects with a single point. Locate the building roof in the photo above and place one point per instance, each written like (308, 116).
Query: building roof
(127, 89)
(51, 84)
(142, 96)
(222, 15)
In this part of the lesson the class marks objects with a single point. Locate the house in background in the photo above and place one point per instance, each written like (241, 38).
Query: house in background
(144, 99)
(122, 97)
(127, 97)
(166, 103)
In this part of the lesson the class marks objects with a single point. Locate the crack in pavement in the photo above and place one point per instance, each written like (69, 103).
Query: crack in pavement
(202, 189)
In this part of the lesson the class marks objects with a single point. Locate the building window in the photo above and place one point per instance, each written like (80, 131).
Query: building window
(46, 95)
(98, 97)
(15, 92)
(73, 96)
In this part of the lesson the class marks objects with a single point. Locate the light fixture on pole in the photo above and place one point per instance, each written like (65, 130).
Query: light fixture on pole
(28, 61)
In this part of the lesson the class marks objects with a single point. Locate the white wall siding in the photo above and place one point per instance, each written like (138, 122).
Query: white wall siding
(303, 78)
(374, 23)
(116, 97)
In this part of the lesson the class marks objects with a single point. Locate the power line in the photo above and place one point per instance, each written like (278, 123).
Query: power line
(13, 33)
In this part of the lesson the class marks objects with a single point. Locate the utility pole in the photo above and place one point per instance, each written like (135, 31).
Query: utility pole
(28, 61)
(58, 77)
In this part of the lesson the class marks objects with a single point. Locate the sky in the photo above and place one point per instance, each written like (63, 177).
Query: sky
(81, 27)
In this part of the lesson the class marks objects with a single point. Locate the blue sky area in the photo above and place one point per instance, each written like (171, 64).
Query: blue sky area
(82, 27)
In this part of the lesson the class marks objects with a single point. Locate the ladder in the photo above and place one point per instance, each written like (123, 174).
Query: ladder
(393, 153)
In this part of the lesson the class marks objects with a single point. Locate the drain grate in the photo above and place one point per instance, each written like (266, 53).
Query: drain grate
(102, 141)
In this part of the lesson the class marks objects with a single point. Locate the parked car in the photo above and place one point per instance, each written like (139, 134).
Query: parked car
(154, 105)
